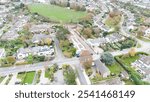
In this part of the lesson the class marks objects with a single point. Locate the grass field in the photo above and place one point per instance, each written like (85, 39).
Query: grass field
(56, 13)
(26, 77)
(29, 77)
(130, 60)
(115, 68)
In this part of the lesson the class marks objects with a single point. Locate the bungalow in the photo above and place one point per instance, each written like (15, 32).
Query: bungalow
(37, 38)
(124, 75)
(143, 62)
(41, 28)
(114, 81)
(115, 38)
(2, 53)
(108, 39)
(77, 44)
(142, 65)
(147, 33)
(39, 51)
(10, 35)
(102, 69)
(97, 42)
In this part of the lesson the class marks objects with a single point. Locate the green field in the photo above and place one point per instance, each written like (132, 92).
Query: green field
(26, 77)
(29, 77)
(56, 13)
(115, 68)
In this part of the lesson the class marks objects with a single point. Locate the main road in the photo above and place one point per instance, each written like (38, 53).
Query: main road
(59, 59)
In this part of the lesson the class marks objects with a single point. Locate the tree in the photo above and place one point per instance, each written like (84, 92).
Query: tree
(30, 59)
(55, 66)
(88, 17)
(86, 59)
(48, 41)
(139, 33)
(11, 59)
(70, 77)
(132, 52)
(107, 58)
(87, 32)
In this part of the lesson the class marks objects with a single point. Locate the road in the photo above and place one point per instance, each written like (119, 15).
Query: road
(81, 40)
(59, 59)
(145, 46)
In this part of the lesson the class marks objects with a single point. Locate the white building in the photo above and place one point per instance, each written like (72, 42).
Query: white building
(39, 51)
(102, 69)
(147, 33)
(2, 53)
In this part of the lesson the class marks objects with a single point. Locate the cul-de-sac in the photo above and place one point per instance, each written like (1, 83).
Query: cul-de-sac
(74, 42)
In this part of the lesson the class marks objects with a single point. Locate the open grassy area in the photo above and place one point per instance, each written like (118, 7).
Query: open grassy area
(26, 77)
(115, 68)
(56, 13)
(129, 60)
(29, 77)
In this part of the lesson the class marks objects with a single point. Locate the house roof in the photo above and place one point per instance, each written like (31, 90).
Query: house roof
(33, 49)
(39, 37)
(114, 81)
(145, 60)
(125, 74)
(2, 50)
(102, 68)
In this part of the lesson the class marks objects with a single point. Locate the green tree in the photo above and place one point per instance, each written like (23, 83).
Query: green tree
(30, 59)
(11, 59)
(107, 58)
(70, 77)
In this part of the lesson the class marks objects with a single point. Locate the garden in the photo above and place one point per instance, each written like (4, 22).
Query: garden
(66, 46)
(128, 43)
(125, 61)
(26, 77)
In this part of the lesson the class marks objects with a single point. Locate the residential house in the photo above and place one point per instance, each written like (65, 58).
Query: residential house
(39, 51)
(2, 53)
(10, 35)
(124, 75)
(101, 68)
(147, 33)
(114, 81)
(1, 24)
(41, 28)
(37, 38)
(113, 38)
(77, 44)
(143, 62)
(142, 65)
(97, 42)
(108, 39)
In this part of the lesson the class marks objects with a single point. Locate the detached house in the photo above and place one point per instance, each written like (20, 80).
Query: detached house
(39, 51)
(102, 69)
(143, 62)
(142, 65)
(2, 53)
(37, 38)
(147, 33)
